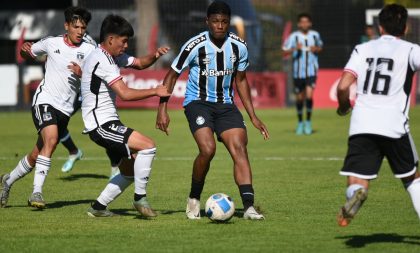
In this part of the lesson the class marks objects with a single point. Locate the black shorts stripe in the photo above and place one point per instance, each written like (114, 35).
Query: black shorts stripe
(202, 80)
(110, 136)
(220, 65)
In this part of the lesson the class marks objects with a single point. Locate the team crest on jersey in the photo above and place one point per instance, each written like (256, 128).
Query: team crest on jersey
(46, 116)
(206, 61)
(200, 120)
(80, 55)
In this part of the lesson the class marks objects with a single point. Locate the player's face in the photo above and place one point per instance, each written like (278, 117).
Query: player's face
(218, 25)
(118, 44)
(304, 24)
(75, 30)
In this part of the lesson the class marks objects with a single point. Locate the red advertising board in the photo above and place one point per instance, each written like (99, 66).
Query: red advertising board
(268, 89)
(325, 94)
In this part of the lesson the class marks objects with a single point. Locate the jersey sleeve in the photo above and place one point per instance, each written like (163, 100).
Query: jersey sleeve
(318, 40)
(414, 58)
(125, 60)
(40, 48)
(243, 59)
(110, 73)
(290, 42)
(184, 58)
(355, 62)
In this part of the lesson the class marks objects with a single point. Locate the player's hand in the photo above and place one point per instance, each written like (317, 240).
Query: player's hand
(162, 91)
(161, 51)
(299, 46)
(314, 49)
(344, 112)
(260, 126)
(26, 47)
(75, 68)
(162, 121)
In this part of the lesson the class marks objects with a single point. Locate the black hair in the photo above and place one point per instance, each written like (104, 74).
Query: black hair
(393, 19)
(72, 14)
(114, 24)
(304, 15)
(218, 7)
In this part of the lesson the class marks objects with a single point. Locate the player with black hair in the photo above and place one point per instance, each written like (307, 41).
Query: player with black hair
(126, 148)
(53, 102)
(383, 70)
(216, 60)
(304, 45)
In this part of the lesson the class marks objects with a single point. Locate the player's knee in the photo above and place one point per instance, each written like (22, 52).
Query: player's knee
(208, 150)
(238, 148)
(51, 142)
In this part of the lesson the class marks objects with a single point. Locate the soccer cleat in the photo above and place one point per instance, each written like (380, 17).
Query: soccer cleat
(68, 165)
(4, 190)
(252, 214)
(352, 206)
(36, 200)
(99, 213)
(143, 207)
(299, 128)
(114, 171)
(193, 209)
(308, 127)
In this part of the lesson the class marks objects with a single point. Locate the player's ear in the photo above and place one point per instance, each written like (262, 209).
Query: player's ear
(207, 21)
(66, 26)
(406, 30)
(381, 30)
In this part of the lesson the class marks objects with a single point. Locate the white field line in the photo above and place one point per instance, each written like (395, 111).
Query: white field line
(169, 158)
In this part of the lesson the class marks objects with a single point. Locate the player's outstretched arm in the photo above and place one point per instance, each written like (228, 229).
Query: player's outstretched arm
(128, 94)
(148, 60)
(162, 119)
(245, 95)
(343, 93)
(25, 50)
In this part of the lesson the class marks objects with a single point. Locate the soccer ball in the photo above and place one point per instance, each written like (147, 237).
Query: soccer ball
(220, 207)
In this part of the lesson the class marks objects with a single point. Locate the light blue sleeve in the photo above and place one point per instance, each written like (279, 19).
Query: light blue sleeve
(290, 42)
(243, 59)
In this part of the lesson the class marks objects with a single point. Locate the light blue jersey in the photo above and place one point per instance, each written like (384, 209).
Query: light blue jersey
(305, 63)
(212, 69)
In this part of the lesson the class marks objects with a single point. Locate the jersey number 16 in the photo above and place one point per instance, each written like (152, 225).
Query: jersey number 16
(386, 79)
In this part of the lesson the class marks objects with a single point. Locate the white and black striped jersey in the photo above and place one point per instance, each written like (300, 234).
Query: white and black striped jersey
(384, 69)
(60, 86)
(100, 72)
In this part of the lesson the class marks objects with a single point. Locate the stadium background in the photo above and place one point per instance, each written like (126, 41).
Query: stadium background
(263, 23)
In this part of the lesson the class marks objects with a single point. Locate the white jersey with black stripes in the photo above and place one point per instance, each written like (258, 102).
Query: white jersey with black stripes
(60, 86)
(384, 69)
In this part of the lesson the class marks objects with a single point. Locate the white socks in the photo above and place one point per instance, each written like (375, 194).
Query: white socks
(114, 188)
(142, 169)
(42, 167)
(414, 191)
(351, 189)
(22, 168)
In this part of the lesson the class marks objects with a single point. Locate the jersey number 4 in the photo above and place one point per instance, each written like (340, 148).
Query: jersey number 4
(380, 64)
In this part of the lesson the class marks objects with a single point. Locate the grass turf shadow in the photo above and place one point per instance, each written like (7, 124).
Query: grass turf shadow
(360, 241)
(75, 177)
(60, 204)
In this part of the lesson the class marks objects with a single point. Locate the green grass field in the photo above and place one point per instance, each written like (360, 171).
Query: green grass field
(295, 177)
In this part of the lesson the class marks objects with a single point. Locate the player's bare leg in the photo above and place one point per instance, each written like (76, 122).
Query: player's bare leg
(49, 136)
(412, 184)
(308, 105)
(146, 151)
(300, 97)
(236, 140)
(206, 144)
(356, 195)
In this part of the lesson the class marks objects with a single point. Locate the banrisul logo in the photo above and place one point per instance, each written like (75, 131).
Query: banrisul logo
(214, 72)
(194, 43)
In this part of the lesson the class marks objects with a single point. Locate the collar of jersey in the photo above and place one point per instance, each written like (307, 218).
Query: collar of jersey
(68, 44)
(214, 46)
(104, 50)
(387, 36)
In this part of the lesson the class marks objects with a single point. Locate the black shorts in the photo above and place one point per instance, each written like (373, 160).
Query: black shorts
(366, 152)
(301, 83)
(113, 136)
(219, 117)
(45, 115)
